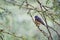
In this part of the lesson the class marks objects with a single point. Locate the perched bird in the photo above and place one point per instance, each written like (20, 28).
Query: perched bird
(38, 21)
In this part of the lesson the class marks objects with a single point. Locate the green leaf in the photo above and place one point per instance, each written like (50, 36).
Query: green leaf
(47, 2)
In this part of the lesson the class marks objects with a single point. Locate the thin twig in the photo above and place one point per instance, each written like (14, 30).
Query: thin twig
(2, 31)
(5, 9)
(54, 20)
(12, 34)
(48, 28)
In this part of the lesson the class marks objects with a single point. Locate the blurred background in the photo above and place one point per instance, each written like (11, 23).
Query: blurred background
(17, 24)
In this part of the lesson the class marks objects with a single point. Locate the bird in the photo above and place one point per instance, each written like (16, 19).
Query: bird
(38, 21)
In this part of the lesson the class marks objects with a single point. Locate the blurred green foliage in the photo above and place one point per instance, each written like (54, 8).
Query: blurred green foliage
(14, 19)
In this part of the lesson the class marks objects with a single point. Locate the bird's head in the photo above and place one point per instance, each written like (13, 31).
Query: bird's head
(36, 17)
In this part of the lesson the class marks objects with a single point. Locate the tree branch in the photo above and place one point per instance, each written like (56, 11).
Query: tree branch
(45, 20)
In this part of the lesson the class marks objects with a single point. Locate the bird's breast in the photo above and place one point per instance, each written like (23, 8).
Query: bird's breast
(37, 23)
